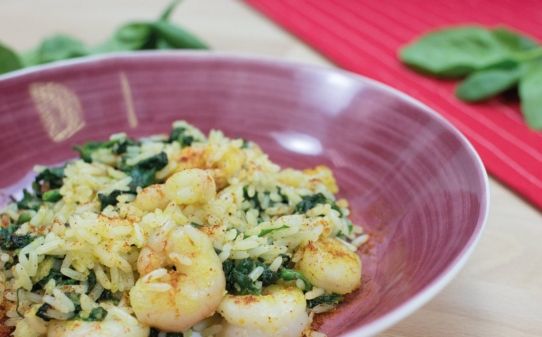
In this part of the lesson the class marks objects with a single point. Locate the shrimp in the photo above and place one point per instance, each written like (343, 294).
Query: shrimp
(118, 322)
(190, 186)
(151, 198)
(330, 265)
(279, 312)
(176, 299)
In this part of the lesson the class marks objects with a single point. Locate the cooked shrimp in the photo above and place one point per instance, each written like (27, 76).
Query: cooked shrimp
(151, 198)
(190, 186)
(279, 312)
(118, 322)
(330, 265)
(176, 299)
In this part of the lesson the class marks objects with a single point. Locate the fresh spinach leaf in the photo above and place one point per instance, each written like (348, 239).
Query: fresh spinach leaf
(169, 10)
(530, 93)
(332, 299)
(9, 60)
(177, 37)
(128, 37)
(487, 83)
(513, 41)
(60, 47)
(454, 52)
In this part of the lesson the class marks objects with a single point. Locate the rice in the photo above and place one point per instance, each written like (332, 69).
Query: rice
(84, 248)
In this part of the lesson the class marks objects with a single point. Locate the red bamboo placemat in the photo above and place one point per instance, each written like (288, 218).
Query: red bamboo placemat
(364, 36)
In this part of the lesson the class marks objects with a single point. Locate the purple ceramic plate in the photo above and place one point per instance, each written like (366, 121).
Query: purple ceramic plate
(412, 180)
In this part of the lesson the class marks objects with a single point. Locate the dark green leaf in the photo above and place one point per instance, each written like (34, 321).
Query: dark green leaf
(9, 60)
(128, 37)
(514, 41)
(49, 178)
(292, 275)
(169, 10)
(110, 199)
(91, 281)
(108, 295)
(117, 146)
(530, 93)
(52, 196)
(143, 173)
(237, 280)
(11, 241)
(96, 314)
(54, 274)
(42, 312)
(310, 201)
(485, 84)
(332, 299)
(30, 58)
(181, 136)
(454, 52)
(29, 201)
(177, 37)
(23, 217)
(60, 47)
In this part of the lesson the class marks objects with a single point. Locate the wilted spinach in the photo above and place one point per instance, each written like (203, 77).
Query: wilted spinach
(238, 281)
(144, 172)
(332, 299)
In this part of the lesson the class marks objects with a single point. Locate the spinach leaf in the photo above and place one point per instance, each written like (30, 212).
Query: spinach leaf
(108, 295)
(96, 314)
(42, 312)
(454, 52)
(128, 37)
(177, 37)
(11, 241)
(310, 201)
(110, 199)
(487, 83)
(530, 93)
(292, 275)
(49, 178)
(60, 47)
(23, 217)
(180, 135)
(155, 333)
(169, 10)
(54, 274)
(143, 173)
(332, 299)
(117, 146)
(238, 280)
(29, 201)
(52, 196)
(9, 61)
(513, 41)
